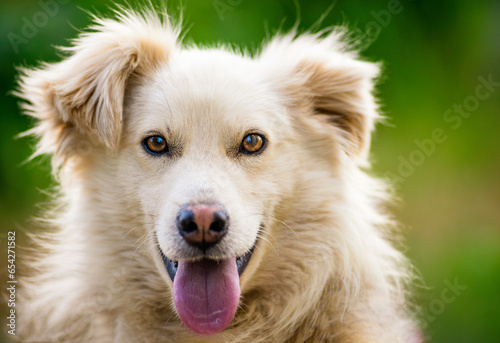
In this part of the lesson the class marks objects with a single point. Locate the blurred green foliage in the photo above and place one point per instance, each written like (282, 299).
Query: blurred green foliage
(433, 53)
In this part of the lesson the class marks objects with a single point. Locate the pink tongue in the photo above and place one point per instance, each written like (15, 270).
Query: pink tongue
(206, 294)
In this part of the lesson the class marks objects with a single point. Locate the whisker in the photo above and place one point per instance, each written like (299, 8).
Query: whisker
(144, 238)
(260, 236)
(285, 224)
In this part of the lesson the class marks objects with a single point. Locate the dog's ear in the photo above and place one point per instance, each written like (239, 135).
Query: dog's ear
(82, 96)
(323, 77)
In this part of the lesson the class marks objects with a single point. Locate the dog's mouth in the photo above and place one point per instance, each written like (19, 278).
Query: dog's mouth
(206, 291)
(173, 266)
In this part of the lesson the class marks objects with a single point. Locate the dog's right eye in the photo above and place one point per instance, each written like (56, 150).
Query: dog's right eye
(155, 145)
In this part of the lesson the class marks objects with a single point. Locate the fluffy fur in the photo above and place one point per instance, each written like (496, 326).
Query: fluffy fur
(324, 269)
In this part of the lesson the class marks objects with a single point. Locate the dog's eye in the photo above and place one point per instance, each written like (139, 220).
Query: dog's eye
(252, 143)
(156, 145)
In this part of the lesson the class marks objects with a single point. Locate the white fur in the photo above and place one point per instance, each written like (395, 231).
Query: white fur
(324, 269)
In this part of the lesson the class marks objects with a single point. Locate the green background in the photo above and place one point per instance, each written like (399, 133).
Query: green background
(433, 54)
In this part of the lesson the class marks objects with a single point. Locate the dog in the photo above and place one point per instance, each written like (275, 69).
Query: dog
(210, 195)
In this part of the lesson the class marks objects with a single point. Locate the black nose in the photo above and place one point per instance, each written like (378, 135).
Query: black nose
(203, 225)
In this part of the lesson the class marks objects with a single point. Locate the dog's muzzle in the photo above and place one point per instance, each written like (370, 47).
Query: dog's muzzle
(207, 290)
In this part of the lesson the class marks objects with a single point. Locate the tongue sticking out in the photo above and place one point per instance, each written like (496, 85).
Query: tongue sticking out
(206, 294)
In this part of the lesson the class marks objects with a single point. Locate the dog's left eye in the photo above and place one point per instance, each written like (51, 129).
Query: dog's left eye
(156, 145)
(252, 143)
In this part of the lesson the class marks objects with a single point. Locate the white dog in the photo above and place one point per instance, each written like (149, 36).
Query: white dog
(210, 196)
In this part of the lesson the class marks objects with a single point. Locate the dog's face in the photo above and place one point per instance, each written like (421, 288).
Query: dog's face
(216, 126)
(202, 144)
(207, 143)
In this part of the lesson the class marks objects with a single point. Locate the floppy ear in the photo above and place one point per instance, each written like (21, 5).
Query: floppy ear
(82, 96)
(324, 77)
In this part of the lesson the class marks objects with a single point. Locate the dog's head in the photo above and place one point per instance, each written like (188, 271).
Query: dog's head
(210, 143)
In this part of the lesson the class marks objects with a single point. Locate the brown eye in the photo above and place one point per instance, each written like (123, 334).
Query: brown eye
(252, 143)
(156, 145)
